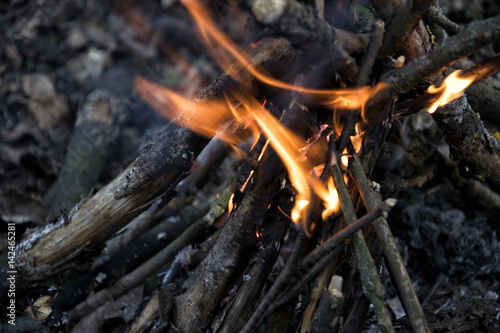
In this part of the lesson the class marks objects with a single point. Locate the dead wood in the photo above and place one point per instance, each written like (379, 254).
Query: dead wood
(392, 256)
(305, 30)
(469, 141)
(241, 306)
(139, 275)
(473, 37)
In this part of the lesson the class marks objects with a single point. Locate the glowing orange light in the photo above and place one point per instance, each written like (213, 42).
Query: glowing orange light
(230, 204)
(213, 118)
(452, 88)
(328, 195)
(224, 51)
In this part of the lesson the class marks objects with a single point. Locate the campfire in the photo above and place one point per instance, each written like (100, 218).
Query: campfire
(300, 230)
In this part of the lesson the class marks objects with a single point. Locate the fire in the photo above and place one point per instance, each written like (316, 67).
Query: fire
(227, 51)
(224, 122)
(452, 88)
(230, 204)
(236, 118)
(330, 199)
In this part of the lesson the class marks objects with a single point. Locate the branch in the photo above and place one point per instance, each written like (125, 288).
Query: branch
(373, 288)
(469, 40)
(469, 141)
(305, 30)
(480, 72)
(393, 259)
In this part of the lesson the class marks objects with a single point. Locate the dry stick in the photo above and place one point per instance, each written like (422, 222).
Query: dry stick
(304, 29)
(247, 295)
(370, 53)
(404, 22)
(367, 62)
(435, 14)
(276, 288)
(393, 259)
(140, 274)
(476, 35)
(373, 288)
(314, 262)
(381, 210)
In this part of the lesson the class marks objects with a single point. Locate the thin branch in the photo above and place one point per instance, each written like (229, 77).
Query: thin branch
(260, 313)
(140, 274)
(480, 72)
(373, 288)
(370, 53)
(469, 40)
(435, 14)
(393, 259)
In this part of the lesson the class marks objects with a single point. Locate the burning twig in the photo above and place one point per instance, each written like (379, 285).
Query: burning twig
(470, 77)
(304, 29)
(469, 40)
(246, 296)
(373, 287)
(392, 256)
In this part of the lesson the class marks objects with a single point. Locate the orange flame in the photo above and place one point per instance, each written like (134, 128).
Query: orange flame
(452, 88)
(230, 204)
(348, 98)
(213, 118)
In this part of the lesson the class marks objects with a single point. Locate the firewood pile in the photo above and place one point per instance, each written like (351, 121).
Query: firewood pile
(284, 171)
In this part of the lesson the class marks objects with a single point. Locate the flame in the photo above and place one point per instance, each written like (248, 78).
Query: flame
(224, 51)
(230, 204)
(452, 88)
(330, 198)
(236, 118)
(225, 120)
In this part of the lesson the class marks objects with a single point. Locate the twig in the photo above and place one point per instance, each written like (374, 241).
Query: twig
(469, 40)
(247, 295)
(373, 287)
(347, 232)
(303, 281)
(370, 53)
(392, 256)
(435, 15)
(304, 29)
(140, 274)
(480, 72)
(469, 141)
(263, 309)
